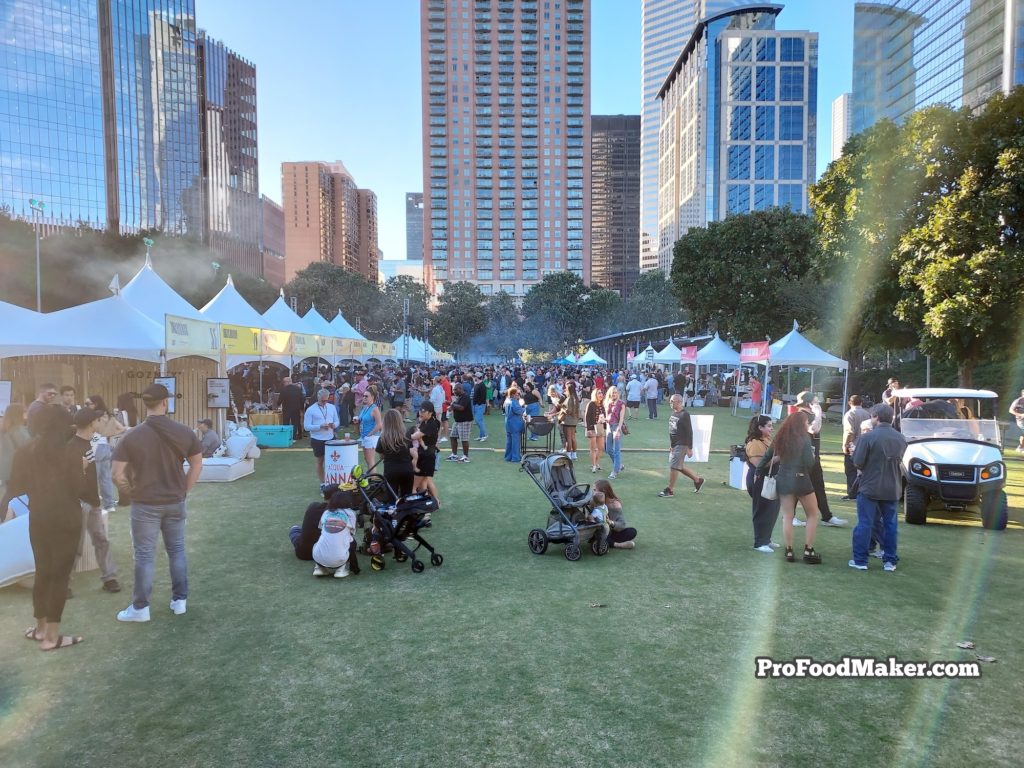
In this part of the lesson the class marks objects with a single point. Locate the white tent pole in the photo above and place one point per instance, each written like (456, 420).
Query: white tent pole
(846, 386)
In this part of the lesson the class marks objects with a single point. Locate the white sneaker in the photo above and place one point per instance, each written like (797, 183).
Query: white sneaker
(834, 522)
(853, 564)
(612, 475)
(875, 553)
(131, 613)
(453, 457)
(110, 510)
(764, 548)
(342, 572)
(573, 455)
(889, 567)
(178, 607)
(773, 545)
(624, 544)
(798, 523)
(318, 571)
(595, 469)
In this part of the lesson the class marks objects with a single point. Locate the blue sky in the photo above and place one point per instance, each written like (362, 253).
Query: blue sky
(340, 80)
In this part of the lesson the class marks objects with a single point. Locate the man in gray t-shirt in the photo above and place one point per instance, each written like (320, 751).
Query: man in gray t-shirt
(148, 459)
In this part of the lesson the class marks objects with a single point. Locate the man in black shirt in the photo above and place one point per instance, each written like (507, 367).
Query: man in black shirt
(480, 405)
(293, 405)
(462, 408)
(680, 435)
(96, 517)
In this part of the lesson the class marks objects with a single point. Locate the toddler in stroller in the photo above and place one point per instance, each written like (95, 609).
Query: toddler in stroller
(573, 519)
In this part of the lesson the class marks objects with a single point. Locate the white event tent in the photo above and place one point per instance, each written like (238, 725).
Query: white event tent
(229, 307)
(591, 357)
(343, 329)
(669, 355)
(148, 293)
(794, 349)
(717, 352)
(417, 349)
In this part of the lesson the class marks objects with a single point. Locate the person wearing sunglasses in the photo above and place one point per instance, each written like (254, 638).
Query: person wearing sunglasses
(44, 396)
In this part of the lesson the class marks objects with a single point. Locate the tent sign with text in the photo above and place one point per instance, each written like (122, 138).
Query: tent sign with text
(688, 354)
(240, 339)
(184, 337)
(754, 352)
(276, 342)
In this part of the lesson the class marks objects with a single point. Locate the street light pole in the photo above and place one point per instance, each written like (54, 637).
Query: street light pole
(38, 207)
(149, 244)
(426, 342)
(405, 330)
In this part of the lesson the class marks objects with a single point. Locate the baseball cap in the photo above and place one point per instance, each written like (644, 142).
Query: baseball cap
(805, 398)
(207, 422)
(154, 393)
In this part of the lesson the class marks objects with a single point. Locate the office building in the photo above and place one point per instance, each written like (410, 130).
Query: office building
(327, 218)
(99, 114)
(272, 241)
(909, 54)
(230, 156)
(388, 268)
(414, 226)
(738, 123)
(506, 118)
(842, 123)
(615, 201)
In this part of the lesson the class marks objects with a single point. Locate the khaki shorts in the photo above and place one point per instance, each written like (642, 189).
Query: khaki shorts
(678, 457)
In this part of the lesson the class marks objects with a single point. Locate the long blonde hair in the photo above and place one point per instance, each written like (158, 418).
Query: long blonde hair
(392, 433)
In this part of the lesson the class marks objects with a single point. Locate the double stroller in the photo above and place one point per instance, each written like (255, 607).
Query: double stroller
(395, 522)
(569, 520)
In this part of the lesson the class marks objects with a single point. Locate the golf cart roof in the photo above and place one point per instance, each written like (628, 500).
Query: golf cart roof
(924, 393)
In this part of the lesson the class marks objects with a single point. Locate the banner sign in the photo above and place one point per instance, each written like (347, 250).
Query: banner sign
(184, 336)
(240, 339)
(754, 352)
(630, 355)
(218, 393)
(381, 349)
(304, 345)
(276, 342)
(688, 354)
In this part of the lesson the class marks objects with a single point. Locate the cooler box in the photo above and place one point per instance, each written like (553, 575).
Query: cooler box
(273, 436)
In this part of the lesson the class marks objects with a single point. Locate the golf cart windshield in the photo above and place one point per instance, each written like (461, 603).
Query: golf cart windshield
(982, 431)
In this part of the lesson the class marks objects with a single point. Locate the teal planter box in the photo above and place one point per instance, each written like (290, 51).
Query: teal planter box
(273, 437)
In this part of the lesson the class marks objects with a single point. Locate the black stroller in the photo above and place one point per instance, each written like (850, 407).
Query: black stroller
(393, 521)
(569, 520)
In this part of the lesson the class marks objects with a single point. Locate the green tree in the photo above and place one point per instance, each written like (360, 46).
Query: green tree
(602, 313)
(749, 275)
(460, 318)
(389, 312)
(504, 333)
(651, 302)
(554, 311)
(331, 288)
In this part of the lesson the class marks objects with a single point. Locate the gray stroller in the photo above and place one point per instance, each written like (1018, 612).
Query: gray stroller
(569, 520)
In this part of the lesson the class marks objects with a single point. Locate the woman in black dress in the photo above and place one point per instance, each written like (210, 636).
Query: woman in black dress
(398, 453)
(53, 475)
(425, 435)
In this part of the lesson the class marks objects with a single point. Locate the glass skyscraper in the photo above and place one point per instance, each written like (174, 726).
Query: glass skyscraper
(738, 123)
(615, 201)
(909, 54)
(506, 145)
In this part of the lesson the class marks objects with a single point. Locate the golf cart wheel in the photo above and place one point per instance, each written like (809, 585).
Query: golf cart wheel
(538, 541)
(994, 513)
(573, 552)
(417, 566)
(915, 505)
(400, 556)
(599, 545)
(436, 559)
(377, 563)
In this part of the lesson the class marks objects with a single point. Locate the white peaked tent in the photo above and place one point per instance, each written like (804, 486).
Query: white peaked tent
(343, 330)
(280, 317)
(109, 327)
(417, 349)
(316, 321)
(717, 352)
(229, 307)
(669, 355)
(795, 349)
(641, 357)
(17, 326)
(149, 294)
(591, 358)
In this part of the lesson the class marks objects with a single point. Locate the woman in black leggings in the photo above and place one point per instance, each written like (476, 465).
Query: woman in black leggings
(52, 475)
(620, 536)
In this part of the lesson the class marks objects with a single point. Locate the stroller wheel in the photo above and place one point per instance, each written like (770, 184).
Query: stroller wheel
(436, 559)
(599, 545)
(573, 552)
(417, 566)
(538, 541)
(377, 563)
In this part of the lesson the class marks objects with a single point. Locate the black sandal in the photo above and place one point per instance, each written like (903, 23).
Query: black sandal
(789, 555)
(811, 557)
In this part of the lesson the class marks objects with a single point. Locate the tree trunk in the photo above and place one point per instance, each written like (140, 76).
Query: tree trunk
(965, 373)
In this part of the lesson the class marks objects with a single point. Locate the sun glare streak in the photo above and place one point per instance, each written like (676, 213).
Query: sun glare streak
(968, 582)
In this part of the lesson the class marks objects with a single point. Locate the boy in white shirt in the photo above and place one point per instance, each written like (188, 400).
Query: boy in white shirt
(337, 526)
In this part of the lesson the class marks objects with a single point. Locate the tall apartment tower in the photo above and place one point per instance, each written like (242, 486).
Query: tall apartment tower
(842, 123)
(99, 114)
(665, 27)
(738, 125)
(615, 201)
(328, 218)
(230, 155)
(506, 142)
(909, 54)
(272, 241)
(414, 226)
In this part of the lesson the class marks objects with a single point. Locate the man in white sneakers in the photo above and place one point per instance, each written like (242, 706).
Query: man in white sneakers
(680, 435)
(151, 455)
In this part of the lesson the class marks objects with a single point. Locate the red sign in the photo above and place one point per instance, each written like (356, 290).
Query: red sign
(688, 354)
(754, 352)
(629, 356)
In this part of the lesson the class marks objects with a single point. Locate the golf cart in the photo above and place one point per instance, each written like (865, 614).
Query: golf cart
(954, 454)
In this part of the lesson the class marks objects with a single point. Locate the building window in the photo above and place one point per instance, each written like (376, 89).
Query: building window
(738, 198)
(792, 49)
(763, 196)
(791, 83)
(739, 162)
(791, 195)
(766, 49)
(765, 124)
(739, 124)
(791, 123)
(791, 162)
(739, 83)
(766, 83)
(764, 162)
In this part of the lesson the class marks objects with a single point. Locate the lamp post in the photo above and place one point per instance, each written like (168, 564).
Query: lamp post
(426, 342)
(38, 207)
(149, 244)
(405, 330)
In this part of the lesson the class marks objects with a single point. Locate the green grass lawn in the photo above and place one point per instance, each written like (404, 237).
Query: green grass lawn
(499, 658)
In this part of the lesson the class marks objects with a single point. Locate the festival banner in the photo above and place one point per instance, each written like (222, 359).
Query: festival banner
(629, 357)
(754, 352)
(688, 354)
(358, 347)
(304, 345)
(184, 337)
(240, 339)
(276, 342)
(381, 349)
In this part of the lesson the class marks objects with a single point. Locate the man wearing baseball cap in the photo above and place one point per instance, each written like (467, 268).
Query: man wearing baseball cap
(209, 440)
(148, 460)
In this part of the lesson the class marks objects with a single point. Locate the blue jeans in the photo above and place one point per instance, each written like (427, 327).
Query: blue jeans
(613, 447)
(104, 474)
(478, 416)
(512, 438)
(871, 514)
(147, 522)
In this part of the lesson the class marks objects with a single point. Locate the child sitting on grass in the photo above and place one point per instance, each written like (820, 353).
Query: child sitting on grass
(599, 510)
(336, 536)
